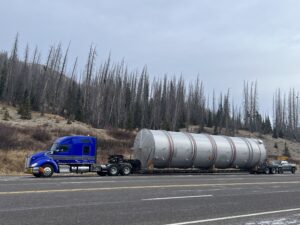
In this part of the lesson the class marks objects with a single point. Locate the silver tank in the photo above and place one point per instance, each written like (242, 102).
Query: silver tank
(163, 149)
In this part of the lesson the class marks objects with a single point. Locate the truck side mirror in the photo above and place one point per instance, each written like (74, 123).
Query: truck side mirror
(51, 152)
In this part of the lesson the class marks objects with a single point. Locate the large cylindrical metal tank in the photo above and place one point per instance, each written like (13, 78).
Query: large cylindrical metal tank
(163, 149)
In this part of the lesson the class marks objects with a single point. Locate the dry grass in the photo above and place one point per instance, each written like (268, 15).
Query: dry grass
(121, 134)
(12, 162)
(21, 137)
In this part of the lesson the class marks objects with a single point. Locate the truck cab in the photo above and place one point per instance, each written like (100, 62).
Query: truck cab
(76, 154)
(67, 154)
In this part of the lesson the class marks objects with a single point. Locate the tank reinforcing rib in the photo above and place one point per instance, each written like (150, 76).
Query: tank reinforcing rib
(163, 149)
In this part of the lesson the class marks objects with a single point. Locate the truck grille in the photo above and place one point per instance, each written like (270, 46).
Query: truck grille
(27, 162)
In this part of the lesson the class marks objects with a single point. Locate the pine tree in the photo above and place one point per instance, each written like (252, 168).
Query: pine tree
(286, 151)
(275, 134)
(267, 127)
(209, 120)
(25, 107)
(3, 77)
(6, 115)
(78, 111)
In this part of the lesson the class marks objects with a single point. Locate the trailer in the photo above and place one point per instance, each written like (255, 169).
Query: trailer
(163, 149)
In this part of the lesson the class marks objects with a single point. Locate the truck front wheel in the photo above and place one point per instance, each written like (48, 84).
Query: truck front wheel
(125, 171)
(47, 170)
(37, 174)
(113, 171)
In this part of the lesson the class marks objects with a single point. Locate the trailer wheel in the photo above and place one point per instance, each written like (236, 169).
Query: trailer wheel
(47, 170)
(113, 171)
(293, 170)
(267, 170)
(273, 170)
(126, 170)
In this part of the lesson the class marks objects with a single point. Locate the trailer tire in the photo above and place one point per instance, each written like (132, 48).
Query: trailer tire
(125, 170)
(267, 170)
(113, 171)
(273, 170)
(47, 170)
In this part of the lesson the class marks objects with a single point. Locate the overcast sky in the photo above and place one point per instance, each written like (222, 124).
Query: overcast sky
(223, 41)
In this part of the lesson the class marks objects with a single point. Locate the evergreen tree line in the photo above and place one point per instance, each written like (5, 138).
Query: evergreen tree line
(109, 96)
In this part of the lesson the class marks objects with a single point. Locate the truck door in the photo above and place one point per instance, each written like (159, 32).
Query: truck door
(61, 155)
(86, 154)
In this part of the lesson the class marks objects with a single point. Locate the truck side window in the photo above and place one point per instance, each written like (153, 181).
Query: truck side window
(86, 150)
(63, 148)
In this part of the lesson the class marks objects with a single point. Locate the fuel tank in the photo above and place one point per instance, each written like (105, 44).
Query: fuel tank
(163, 149)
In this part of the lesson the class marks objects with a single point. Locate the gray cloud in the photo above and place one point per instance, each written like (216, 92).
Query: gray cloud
(224, 41)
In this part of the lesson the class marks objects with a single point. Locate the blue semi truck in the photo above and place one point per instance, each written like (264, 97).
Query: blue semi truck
(76, 154)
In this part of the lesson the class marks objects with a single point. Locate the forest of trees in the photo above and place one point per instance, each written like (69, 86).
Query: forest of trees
(109, 95)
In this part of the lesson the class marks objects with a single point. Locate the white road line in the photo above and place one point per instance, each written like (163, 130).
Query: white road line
(88, 182)
(177, 197)
(140, 187)
(236, 217)
(64, 182)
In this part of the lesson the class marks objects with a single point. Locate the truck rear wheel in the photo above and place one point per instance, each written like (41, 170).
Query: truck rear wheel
(126, 170)
(47, 170)
(113, 171)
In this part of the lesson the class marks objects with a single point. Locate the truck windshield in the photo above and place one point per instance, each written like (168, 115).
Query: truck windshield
(53, 147)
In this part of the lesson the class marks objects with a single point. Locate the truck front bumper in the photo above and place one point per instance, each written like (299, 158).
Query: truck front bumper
(32, 170)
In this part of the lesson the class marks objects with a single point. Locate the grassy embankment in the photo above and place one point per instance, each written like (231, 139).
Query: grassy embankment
(19, 138)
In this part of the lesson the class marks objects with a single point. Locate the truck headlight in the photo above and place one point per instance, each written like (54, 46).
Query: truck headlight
(34, 164)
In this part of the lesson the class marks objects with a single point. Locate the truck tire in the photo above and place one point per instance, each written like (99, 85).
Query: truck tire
(266, 170)
(100, 173)
(47, 170)
(113, 171)
(293, 170)
(37, 174)
(125, 170)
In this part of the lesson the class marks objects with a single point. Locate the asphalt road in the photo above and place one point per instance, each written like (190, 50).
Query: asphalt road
(158, 199)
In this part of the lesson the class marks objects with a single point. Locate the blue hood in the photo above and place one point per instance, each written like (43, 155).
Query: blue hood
(38, 156)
